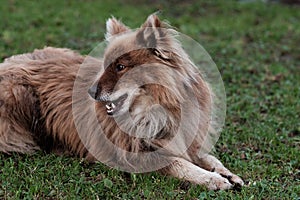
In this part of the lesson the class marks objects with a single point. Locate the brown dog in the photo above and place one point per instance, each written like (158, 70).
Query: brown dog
(45, 105)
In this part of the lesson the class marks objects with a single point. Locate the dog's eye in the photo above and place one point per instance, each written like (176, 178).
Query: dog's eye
(120, 67)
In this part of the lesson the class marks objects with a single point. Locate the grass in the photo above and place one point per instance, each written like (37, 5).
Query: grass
(254, 44)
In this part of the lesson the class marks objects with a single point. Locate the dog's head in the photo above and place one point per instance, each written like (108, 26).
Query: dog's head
(142, 68)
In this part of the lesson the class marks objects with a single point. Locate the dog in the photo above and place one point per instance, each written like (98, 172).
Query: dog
(144, 97)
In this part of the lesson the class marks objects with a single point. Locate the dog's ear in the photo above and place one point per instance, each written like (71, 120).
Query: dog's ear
(153, 34)
(113, 27)
(150, 32)
(153, 22)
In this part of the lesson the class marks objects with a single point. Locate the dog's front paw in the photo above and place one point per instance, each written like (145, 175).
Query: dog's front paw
(217, 182)
(236, 180)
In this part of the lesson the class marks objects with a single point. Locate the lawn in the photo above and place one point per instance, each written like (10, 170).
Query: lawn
(256, 46)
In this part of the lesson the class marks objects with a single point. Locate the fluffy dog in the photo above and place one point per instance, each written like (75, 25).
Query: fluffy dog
(141, 93)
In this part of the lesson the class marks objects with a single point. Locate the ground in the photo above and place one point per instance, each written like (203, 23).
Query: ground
(256, 48)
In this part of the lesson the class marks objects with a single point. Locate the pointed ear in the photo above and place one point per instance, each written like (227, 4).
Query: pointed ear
(113, 27)
(152, 21)
(150, 32)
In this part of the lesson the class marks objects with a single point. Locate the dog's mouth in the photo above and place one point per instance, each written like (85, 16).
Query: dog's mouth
(114, 106)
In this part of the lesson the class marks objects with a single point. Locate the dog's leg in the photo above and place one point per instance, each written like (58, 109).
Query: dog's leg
(186, 170)
(211, 163)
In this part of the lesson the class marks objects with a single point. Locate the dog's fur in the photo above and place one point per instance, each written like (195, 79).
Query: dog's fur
(37, 112)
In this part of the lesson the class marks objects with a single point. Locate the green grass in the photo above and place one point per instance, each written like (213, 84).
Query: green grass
(256, 47)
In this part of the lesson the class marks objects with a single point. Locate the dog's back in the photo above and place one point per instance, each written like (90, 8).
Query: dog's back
(45, 76)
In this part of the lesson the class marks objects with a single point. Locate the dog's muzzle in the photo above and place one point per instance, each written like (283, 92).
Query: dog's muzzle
(112, 106)
(93, 91)
(96, 94)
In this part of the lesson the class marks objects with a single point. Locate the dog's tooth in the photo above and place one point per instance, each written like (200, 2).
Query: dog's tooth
(108, 107)
(113, 105)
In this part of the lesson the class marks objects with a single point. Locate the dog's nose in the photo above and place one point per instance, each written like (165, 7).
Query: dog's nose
(93, 91)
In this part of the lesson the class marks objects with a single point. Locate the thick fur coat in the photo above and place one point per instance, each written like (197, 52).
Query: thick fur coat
(141, 72)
